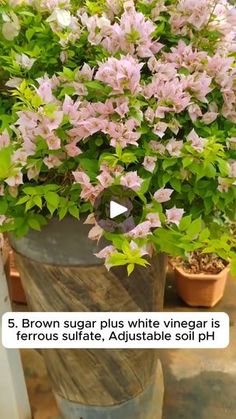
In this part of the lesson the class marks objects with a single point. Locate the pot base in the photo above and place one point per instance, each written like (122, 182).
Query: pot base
(192, 303)
(148, 405)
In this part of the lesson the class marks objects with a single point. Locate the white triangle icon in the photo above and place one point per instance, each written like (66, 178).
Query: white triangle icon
(116, 209)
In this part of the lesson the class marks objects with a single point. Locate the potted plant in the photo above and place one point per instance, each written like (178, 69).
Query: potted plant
(201, 277)
(110, 94)
(201, 280)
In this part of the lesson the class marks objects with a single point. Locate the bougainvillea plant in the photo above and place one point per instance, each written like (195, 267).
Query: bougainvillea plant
(140, 94)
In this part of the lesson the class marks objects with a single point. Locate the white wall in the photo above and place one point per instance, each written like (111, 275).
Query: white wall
(14, 403)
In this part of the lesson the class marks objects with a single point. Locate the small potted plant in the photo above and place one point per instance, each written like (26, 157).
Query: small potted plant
(202, 274)
(201, 279)
(113, 93)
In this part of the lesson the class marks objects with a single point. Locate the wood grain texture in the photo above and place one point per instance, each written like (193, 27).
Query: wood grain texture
(96, 377)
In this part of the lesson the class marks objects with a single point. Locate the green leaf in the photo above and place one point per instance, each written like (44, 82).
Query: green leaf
(187, 161)
(62, 212)
(195, 228)
(30, 204)
(29, 33)
(30, 190)
(110, 159)
(224, 167)
(94, 84)
(185, 223)
(233, 266)
(38, 201)
(36, 101)
(74, 211)
(90, 167)
(128, 157)
(3, 206)
(117, 259)
(210, 170)
(5, 162)
(145, 186)
(23, 200)
(176, 184)
(34, 224)
(204, 235)
(52, 199)
(168, 163)
(130, 268)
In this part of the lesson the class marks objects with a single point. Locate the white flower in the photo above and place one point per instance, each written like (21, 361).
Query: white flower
(24, 61)
(61, 16)
(11, 26)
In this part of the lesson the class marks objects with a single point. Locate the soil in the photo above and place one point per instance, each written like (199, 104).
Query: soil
(202, 263)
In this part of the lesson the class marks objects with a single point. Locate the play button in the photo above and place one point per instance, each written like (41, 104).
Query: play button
(116, 209)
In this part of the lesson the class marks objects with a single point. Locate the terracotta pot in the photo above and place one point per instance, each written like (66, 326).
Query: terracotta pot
(200, 290)
(60, 273)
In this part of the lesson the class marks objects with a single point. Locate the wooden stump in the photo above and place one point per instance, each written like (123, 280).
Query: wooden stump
(93, 384)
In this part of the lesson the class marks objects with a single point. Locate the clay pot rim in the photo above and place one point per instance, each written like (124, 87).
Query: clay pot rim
(203, 276)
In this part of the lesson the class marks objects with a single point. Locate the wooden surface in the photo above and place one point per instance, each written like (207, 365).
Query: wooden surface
(96, 377)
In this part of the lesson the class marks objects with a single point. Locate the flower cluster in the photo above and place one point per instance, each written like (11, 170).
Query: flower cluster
(141, 95)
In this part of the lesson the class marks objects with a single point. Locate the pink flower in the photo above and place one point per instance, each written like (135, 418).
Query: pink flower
(106, 252)
(95, 233)
(131, 180)
(163, 195)
(197, 142)
(70, 108)
(105, 179)
(52, 161)
(24, 61)
(85, 73)
(19, 156)
(223, 185)
(2, 190)
(4, 139)
(233, 169)
(209, 117)
(14, 82)
(15, 180)
(50, 5)
(32, 172)
(72, 149)
(82, 178)
(160, 129)
(149, 163)
(90, 192)
(90, 219)
(53, 142)
(144, 32)
(2, 219)
(171, 94)
(54, 121)
(122, 134)
(141, 230)
(45, 89)
(199, 84)
(63, 56)
(194, 112)
(142, 250)
(174, 215)
(27, 119)
(174, 147)
(157, 147)
(149, 115)
(121, 75)
(154, 219)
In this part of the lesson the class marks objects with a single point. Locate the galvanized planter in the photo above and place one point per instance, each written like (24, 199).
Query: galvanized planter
(60, 273)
